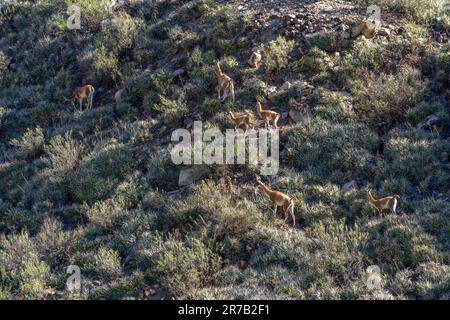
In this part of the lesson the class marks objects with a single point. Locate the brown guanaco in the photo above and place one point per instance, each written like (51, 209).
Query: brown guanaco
(225, 86)
(81, 93)
(268, 116)
(383, 203)
(242, 120)
(278, 198)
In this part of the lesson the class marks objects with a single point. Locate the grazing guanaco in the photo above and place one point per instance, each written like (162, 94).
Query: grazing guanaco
(383, 203)
(278, 198)
(81, 93)
(245, 120)
(255, 59)
(226, 85)
(268, 116)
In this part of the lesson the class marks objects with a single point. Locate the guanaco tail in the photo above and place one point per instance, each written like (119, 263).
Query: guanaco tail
(243, 120)
(225, 86)
(384, 203)
(278, 198)
(268, 116)
(81, 93)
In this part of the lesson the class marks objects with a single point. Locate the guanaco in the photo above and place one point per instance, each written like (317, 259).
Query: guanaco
(80, 93)
(255, 59)
(226, 85)
(278, 198)
(268, 116)
(245, 120)
(384, 203)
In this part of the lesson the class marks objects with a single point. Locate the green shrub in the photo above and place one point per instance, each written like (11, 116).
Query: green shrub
(31, 144)
(385, 101)
(105, 214)
(22, 272)
(334, 152)
(95, 177)
(275, 55)
(400, 243)
(62, 154)
(107, 263)
(415, 155)
(184, 267)
(118, 33)
(219, 213)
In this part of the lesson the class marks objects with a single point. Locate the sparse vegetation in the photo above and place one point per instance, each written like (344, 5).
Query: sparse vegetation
(97, 188)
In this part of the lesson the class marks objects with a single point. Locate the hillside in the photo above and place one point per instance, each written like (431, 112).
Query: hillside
(361, 108)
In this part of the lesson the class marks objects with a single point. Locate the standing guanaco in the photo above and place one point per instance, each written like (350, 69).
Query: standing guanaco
(80, 93)
(244, 120)
(268, 116)
(226, 85)
(383, 203)
(278, 198)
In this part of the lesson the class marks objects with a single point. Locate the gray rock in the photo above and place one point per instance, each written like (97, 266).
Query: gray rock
(190, 175)
(178, 72)
(348, 187)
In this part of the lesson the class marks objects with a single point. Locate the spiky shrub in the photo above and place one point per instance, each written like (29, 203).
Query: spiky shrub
(225, 36)
(415, 155)
(107, 263)
(185, 266)
(31, 143)
(23, 274)
(220, 214)
(387, 100)
(400, 243)
(118, 33)
(62, 154)
(275, 55)
(95, 178)
(335, 152)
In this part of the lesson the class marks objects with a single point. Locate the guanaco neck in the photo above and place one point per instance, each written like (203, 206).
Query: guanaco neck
(218, 70)
(259, 108)
(266, 188)
(371, 198)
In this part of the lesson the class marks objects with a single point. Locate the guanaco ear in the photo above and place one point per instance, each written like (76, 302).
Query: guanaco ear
(217, 69)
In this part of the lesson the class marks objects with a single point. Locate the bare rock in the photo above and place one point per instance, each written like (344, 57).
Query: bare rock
(255, 59)
(384, 32)
(299, 114)
(286, 86)
(190, 175)
(178, 72)
(349, 187)
(358, 28)
(118, 96)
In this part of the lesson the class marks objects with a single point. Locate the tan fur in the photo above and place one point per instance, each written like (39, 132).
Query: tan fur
(384, 203)
(278, 198)
(81, 93)
(243, 120)
(268, 116)
(225, 86)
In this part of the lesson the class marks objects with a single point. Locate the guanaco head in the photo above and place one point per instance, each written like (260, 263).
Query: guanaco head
(397, 196)
(231, 114)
